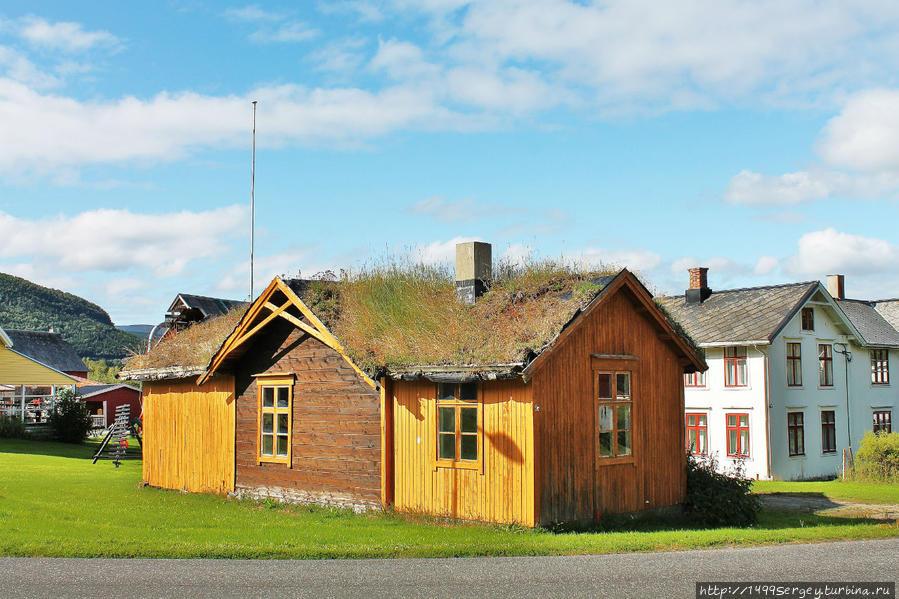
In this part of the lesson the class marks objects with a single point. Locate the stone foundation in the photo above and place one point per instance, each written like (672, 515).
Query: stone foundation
(323, 498)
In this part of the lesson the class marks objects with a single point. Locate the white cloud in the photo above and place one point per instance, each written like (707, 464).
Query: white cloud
(266, 267)
(765, 265)
(440, 252)
(634, 259)
(117, 240)
(860, 147)
(466, 210)
(403, 61)
(64, 36)
(251, 13)
(286, 33)
(865, 135)
(52, 130)
(17, 67)
(831, 251)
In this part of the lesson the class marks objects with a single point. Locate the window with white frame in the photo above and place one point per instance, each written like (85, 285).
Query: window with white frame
(735, 371)
(794, 364)
(825, 365)
(880, 366)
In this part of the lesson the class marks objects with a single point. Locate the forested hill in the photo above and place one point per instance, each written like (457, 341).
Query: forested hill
(87, 326)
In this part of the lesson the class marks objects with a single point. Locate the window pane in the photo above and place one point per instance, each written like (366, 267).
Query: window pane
(731, 441)
(469, 449)
(691, 441)
(468, 391)
(268, 422)
(741, 372)
(267, 444)
(702, 420)
(268, 397)
(604, 386)
(744, 442)
(691, 420)
(282, 445)
(446, 391)
(623, 385)
(744, 420)
(469, 422)
(282, 423)
(605, 418)
(624, 418)
(624, 443)
(446, 444)
(447, 420)
(283, 395)
(731, 421)
(702, 441)
(605, 444)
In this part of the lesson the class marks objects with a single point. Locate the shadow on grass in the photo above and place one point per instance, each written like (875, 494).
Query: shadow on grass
(769, 519)
(58, 449)
(797, 501)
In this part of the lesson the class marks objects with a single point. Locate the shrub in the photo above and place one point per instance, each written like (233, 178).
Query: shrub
(71, 420)
(11, 427)
(878, 458)
(718, 499)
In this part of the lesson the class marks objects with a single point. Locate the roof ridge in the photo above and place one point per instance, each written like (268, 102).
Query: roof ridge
(777, 286)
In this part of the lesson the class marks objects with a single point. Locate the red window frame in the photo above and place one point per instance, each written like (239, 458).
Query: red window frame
(883, 421)
(734, 357)
(808, 319)
(825, 365)
(880, 367)
(698, 424)
(794, 364)
(734, 423)
(796, 433)
(828, 431)
(694, 379)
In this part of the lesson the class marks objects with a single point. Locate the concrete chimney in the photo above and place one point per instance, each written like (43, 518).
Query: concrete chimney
(835, 286)
(474, 268)
(699, 290)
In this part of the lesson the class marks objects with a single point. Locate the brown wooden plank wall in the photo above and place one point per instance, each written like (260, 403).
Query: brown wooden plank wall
(503, 492)
(570, 485)
(188, 441)
(336, 423)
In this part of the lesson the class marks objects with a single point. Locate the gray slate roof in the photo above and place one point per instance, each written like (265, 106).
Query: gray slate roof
(889, 309)
(870, 323)
(210, 306)
(739, 315)
(88, 391)
(47, 348)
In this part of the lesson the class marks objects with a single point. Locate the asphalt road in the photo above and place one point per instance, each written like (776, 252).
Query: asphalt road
(670, 574)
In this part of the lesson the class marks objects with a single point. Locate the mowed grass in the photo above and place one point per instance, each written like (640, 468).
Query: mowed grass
(54, 502)
(857, 492)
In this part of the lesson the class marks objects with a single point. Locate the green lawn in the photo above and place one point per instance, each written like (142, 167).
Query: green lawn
(834, 489)
(54, 502)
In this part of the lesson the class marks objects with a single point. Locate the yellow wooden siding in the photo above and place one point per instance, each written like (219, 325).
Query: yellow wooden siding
(16, 369)
(188, 439)
(501, 491)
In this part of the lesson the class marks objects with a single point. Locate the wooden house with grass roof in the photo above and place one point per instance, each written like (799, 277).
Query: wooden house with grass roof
(537, 396)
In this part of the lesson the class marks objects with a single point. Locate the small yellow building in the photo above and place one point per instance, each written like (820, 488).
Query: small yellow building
(24, 381)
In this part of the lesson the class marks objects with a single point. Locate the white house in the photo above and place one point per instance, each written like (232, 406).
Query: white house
(776, 394)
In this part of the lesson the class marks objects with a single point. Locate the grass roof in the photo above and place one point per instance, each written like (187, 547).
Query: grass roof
(399, 315)
(190, 348)
(404, 315)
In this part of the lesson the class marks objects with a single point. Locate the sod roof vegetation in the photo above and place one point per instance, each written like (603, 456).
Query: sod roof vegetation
(399, 316)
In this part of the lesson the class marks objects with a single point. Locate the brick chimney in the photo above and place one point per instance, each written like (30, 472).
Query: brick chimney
(835, 286)
(699, 285)
(474, 268)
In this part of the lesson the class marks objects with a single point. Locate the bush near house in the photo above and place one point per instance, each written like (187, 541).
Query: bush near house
(71, 420)
(878, 458)
(11, 427)
(718, 499)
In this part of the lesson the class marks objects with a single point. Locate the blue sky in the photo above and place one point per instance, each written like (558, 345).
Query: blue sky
(760, 139)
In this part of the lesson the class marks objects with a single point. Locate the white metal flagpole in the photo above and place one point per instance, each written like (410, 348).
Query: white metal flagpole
(253, 201)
